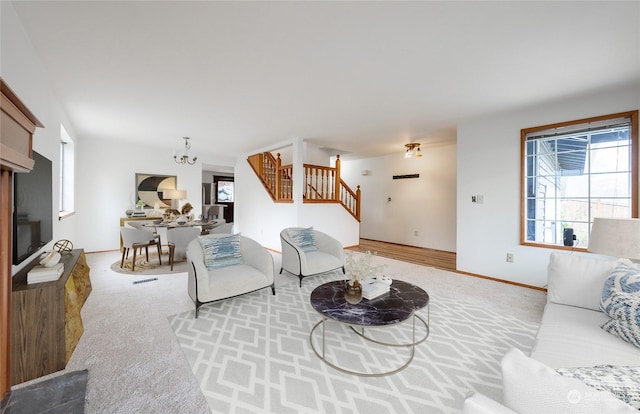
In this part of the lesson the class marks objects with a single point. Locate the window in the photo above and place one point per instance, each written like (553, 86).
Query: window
(575, 171)
(67, 165)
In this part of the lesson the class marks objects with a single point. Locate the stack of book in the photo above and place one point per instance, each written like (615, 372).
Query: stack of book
(374, 288)
(45, 274)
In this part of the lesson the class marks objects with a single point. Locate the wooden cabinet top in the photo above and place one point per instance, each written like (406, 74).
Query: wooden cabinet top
(19, 281)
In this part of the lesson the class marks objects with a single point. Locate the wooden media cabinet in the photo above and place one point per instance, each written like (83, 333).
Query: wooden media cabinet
(45, 318)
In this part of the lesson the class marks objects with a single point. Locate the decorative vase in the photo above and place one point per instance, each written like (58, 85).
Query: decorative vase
(353, 292)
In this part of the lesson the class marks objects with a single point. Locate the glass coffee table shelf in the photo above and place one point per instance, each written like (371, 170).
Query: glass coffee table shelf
(400, 304)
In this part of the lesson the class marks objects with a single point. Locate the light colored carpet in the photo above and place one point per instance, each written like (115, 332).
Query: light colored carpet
(251, 354)
(135, 361)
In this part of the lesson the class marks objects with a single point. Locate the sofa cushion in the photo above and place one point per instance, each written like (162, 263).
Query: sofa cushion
(621, 381)
(529, 386)
(624, 278)
(221, 251)
(569, 336)
(625, 322)
(577, 280)
(303, 238)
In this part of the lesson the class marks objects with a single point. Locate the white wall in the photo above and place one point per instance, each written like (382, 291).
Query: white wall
(21, 69)
(426, 204)
(106, 184)
(489, 165)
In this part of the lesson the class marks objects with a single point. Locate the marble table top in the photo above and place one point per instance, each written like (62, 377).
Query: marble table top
(396, 306)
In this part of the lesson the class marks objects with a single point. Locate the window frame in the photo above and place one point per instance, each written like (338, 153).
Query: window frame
(66, 179)
(633, 135)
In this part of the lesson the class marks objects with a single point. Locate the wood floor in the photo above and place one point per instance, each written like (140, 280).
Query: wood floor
(418, 255)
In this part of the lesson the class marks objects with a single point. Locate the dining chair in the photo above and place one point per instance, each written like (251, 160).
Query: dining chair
(135, 239)
(178, 238)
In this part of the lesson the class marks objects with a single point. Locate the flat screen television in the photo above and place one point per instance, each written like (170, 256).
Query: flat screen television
(32, 209)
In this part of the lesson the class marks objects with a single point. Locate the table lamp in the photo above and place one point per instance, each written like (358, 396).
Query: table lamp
(618, 237)
(175, 196)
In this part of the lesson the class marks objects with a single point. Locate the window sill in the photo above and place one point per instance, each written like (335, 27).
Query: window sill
(555, 246)
(64, 214)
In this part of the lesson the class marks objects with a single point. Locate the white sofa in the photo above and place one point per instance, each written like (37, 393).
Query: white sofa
(569, 336)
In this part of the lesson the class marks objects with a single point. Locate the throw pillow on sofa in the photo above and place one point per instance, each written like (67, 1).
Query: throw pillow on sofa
(577, 280)
(624, 278)
(531, 387)
(621, 381)
(624, 309)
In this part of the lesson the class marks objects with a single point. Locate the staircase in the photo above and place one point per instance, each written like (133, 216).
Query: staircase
(321, 184)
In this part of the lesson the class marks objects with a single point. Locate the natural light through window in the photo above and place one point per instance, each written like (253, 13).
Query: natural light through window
(67, 166)
(575, 171)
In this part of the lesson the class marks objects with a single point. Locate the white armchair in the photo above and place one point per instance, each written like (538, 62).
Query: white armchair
(254, 271)
(324, 254)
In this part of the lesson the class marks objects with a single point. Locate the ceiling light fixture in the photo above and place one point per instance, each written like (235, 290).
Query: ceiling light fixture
(184, 159)
(413, 150)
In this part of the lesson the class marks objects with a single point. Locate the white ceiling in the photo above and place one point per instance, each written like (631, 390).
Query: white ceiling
(359, 77)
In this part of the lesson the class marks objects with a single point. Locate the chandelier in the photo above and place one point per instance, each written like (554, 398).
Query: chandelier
(184, 158)
(413, 150)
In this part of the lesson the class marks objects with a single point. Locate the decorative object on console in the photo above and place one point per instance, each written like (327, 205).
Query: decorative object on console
(184, 158)
(63, 246)
(40, 273)
(49, 259)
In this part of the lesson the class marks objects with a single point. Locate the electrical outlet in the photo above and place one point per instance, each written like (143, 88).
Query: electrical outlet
(509, 257)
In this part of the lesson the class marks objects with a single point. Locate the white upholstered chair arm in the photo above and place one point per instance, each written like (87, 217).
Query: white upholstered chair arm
(327, 244)
(196, 267)
(255, 255)
(291, 254)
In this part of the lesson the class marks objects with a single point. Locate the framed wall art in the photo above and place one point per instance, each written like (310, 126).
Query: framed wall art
(149, 188)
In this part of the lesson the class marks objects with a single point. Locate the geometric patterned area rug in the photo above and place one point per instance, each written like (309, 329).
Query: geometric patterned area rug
(252, 354)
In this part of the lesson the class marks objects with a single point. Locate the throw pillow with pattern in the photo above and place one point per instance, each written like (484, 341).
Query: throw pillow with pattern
(304, 238)
(625, 317)
(221, 251)
(624, 278)
(621, 381)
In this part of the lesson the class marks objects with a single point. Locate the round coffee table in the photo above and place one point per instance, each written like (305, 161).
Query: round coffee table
(398, 305)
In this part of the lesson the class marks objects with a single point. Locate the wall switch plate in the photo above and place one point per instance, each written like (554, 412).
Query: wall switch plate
(509, 257)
